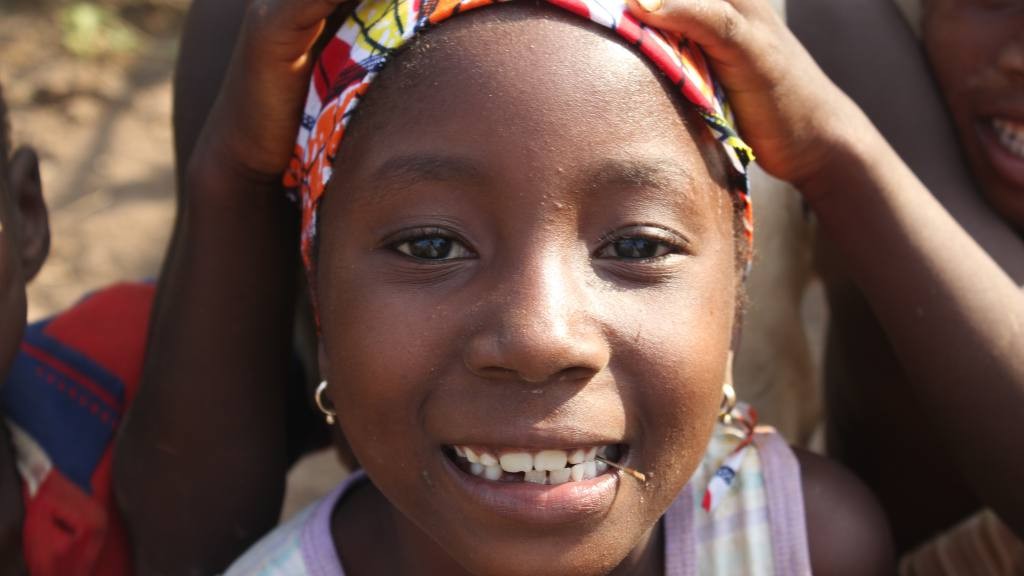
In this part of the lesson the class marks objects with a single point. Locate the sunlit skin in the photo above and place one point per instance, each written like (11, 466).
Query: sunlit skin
(976, 49)
(477, 285)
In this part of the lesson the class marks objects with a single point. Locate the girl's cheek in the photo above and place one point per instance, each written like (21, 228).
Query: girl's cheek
(677, 346)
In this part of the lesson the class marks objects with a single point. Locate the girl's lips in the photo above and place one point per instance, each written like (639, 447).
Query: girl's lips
(1005, 162)
(538, 503)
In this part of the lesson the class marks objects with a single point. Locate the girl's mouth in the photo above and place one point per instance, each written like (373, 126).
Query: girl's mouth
(1010, 135)
(546, 467)
(1003, 142)
(537, 486)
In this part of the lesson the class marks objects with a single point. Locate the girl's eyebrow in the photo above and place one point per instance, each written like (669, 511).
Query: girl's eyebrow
(656, 173)
(662, 174)
(400, 172)
(406, 169)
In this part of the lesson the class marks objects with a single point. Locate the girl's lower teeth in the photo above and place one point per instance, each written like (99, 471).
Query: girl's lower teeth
(550, 467)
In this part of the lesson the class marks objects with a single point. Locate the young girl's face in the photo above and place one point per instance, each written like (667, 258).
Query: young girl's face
(523, 249)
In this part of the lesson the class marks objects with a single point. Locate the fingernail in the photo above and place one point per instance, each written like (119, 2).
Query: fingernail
(650, 5)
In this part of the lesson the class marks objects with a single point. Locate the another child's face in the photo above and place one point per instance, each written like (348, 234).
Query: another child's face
(24, 243)
(976, 48)
(523, 249)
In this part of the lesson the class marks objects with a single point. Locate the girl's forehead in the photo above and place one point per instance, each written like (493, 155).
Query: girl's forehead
(532, 85)
(518, 50)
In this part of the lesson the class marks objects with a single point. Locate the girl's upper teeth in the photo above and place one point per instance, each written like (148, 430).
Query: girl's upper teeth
(1010, 135)
(550, 460)
(516, 462)
(1010, 126)
(541, 467)
(579, 455)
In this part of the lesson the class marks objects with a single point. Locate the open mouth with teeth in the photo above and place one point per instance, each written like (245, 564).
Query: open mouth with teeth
(551, 467)
(1010, 135)
(1002, 141)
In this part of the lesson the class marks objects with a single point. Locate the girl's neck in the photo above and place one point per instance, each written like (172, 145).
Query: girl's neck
(372, 537)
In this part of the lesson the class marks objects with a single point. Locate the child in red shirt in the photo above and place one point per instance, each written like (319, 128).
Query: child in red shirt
(64, 386)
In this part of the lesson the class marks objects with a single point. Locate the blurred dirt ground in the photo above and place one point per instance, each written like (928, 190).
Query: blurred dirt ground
(98, 114)
(88, 85)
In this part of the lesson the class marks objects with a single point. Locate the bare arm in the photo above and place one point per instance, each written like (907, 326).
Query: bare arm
(209, 418)
(207, 41)
(954, 317)
(846, 528)
(201, 458)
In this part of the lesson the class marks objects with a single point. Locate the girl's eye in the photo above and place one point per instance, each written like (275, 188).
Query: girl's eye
(433, 247)
(636, 246)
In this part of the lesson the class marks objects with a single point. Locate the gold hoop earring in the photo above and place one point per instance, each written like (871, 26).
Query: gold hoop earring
(728, 404)
(329, 414)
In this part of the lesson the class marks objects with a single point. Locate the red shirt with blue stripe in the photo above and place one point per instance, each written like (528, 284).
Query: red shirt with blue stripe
(64, 398)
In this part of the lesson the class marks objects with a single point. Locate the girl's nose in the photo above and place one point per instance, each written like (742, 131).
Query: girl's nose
(541, 327)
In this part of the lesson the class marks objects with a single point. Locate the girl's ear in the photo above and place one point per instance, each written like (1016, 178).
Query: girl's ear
(33, 221)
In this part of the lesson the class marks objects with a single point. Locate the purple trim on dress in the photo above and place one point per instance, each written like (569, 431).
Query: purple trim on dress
(785, 496)
(680, 540)
(318, 551)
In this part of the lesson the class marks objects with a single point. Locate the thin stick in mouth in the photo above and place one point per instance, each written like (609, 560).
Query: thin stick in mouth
(634, 473)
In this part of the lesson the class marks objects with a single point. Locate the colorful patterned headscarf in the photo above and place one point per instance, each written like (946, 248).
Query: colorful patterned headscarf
(378, 28)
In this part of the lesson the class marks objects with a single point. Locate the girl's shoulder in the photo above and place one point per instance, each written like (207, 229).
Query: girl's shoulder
(301, 546)
(847, 529)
